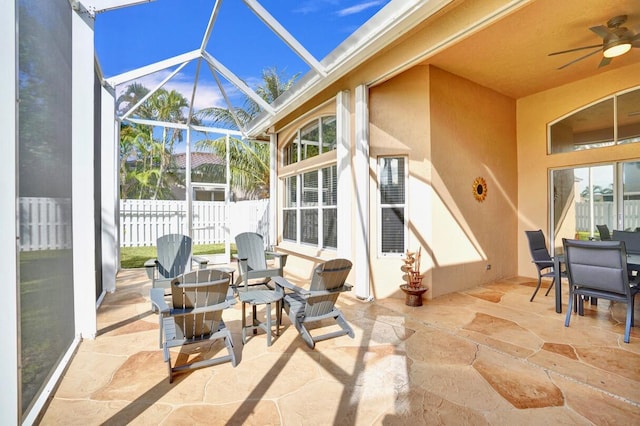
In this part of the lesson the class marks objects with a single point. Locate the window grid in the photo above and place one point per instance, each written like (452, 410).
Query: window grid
(313, 139)
(392, 216)
(313, 221)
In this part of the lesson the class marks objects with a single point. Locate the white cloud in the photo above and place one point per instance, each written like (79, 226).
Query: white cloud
(207, 93)
(311, 6)
(352, 10)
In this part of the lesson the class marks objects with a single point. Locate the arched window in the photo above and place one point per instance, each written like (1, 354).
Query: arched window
(610, 121)
(315, 138)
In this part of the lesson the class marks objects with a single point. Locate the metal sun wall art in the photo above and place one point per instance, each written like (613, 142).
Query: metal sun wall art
(480, 189)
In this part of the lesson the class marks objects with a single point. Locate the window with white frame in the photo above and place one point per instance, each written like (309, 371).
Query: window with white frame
(314, 220)
(392, 206)
(315, 138)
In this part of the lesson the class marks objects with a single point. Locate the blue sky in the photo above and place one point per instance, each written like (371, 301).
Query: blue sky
(135, 36)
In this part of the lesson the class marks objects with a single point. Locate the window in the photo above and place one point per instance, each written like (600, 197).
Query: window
(313, 139)
(290, 216)
(313, 221)
(392, 205)
(615, 120)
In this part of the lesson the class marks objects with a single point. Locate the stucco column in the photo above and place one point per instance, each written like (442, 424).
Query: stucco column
(361, 174)
(83, 193)
(109, 190)
(345, 187)
(273, 189)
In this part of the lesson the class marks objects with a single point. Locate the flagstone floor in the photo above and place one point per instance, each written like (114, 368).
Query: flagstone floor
(483, 356)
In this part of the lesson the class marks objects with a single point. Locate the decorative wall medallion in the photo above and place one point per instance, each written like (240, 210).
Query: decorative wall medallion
(480, 189)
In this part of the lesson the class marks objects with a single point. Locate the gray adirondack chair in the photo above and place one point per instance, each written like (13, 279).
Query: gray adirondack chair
(252, 261)
(198, 299)
(317, 303)
(174, 258)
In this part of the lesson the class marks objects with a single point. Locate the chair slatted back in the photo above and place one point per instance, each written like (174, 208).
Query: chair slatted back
(599, 265)
(174, 255)
(191, 294)
(538, 249)
(250, 246)
(327, 276)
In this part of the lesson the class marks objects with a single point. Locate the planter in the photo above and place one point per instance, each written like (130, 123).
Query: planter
(413, 294)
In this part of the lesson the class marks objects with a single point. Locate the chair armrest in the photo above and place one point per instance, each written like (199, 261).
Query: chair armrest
(201, 261)
(542, 261)
(282, 282)
(342, 288)
(158, 300)
(282, 257)
(150, 265)
(201, 310)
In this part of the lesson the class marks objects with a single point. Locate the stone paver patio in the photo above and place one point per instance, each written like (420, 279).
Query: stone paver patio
(483, 356)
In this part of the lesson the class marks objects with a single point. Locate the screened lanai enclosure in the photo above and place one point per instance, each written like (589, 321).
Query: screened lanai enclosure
(170, 154)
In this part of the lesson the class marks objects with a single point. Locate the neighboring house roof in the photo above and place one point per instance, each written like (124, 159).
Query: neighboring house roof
(197, 159)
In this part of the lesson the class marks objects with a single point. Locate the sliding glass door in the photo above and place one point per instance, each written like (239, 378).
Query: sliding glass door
(583, 197)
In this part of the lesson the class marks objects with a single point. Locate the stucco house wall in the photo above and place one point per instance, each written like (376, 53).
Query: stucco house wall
(473, 134)
(452, 131)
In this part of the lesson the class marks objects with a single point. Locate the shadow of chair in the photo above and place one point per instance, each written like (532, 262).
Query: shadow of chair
(317, 303)
(195, 316)
(542, 259)
(174, 259)
(599, 269)
(252, 261)
(603, 230)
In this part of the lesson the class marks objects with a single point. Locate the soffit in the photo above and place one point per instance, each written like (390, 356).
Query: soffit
(511, 55)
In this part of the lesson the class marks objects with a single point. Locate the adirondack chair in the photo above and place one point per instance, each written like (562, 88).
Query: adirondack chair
(174, 258)
(195, 317)
(317, 303)
(252, 261)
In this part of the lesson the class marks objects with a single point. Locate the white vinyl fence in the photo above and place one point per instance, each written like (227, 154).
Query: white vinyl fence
(45, 223)
(143, 221)
(603, 215)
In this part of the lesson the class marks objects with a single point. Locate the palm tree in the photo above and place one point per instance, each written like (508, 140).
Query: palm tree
(145, 158)
(249, 160)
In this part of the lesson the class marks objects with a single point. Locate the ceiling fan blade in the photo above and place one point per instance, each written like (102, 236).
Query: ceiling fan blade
(604, 61)
(635, 41)
(579, 59)
(601, 30)
(574, 50)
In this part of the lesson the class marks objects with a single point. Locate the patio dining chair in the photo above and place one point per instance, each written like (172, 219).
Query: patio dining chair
(603, 230)
(599, 269)
(317, 303)
(252, 261)
(198, 299)
(542, 259)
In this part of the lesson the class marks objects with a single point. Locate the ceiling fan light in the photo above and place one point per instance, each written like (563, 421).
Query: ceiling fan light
(617, 48)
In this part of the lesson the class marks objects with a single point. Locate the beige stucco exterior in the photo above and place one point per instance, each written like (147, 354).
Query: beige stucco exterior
(452, 131)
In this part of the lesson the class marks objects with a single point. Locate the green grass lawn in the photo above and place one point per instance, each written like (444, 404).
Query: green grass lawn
(134, 257)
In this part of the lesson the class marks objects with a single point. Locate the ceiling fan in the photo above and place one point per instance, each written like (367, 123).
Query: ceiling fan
(616, 41)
